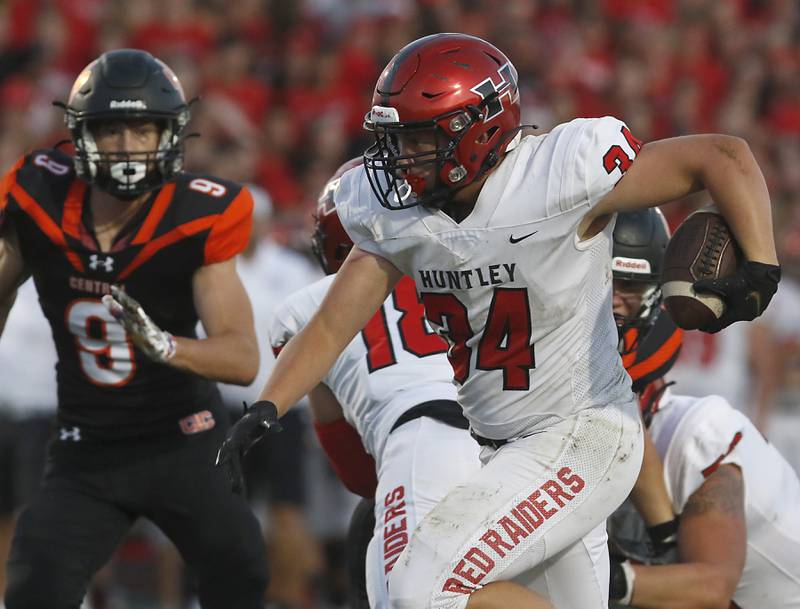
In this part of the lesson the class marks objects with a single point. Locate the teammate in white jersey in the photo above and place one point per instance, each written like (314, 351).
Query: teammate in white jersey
(738, 540)
(393, 383)
(509, 242)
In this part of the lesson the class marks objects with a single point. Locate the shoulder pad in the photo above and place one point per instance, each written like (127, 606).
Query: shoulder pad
(45, 177)
(205, 193)
(227, 205)
(47, 165)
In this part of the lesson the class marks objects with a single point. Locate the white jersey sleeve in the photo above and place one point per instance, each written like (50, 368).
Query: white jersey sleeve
(708, 437)
(357, 208)
(695, 436)
(602, 149)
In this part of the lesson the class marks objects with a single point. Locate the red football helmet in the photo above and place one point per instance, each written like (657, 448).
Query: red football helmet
(458, 88)
(330, 243)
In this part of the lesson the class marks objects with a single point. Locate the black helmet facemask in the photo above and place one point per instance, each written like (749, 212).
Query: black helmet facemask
(643, 320)
(127, 175)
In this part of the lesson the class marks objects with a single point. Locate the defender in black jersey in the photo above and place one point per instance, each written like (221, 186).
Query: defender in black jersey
(139, 415)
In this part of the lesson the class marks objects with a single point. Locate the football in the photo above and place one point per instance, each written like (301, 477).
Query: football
(702, 247)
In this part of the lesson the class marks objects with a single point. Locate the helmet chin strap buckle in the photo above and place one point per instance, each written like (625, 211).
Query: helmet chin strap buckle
(459, 122)
(456, 174)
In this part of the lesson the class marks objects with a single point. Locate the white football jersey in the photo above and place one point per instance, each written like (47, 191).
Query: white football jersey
(394, 363)
(27, 359)
(525, 305)
(694, 436)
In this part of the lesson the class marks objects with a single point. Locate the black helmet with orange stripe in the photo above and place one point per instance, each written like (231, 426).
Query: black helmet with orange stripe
(640, 240)
(127, 85)
(649, 340)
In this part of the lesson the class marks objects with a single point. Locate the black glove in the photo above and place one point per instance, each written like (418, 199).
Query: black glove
(260, 419)
(746, 293)
(620, 585)
(664, 536)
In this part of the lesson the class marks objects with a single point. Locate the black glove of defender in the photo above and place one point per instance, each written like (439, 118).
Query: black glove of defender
(746, 293)
(664, 536)
(259, 420)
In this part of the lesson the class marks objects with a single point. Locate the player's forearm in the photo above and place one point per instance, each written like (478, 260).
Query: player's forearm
(681, 586)
(302, 363)
(649, 494)
(228, 358)
(735, 182)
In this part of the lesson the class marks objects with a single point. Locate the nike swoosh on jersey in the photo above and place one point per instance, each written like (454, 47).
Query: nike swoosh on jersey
(512, 239)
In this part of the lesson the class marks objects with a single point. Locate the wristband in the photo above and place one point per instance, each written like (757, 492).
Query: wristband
(664, 536)
(630, 578)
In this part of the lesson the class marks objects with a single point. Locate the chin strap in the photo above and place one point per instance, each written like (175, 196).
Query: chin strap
(650, 398)
(442, 198)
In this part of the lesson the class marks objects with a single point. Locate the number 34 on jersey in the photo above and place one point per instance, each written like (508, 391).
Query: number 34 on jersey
(506, 341)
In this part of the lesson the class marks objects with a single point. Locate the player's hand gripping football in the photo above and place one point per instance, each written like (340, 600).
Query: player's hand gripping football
(746, 292)
(259, 419)
(157, 344)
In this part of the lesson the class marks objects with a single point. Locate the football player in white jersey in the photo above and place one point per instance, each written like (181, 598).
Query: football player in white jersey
(393, 383)
(738, 540)
(508, 239)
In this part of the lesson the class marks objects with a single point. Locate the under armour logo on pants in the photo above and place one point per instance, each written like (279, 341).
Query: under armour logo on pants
(73, 434)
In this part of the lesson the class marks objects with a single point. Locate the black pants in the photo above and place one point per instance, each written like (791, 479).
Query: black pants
(92, 494)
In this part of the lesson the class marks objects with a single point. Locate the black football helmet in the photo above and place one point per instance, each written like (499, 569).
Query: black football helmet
(330, 243)
(640, 239)
(119, 85)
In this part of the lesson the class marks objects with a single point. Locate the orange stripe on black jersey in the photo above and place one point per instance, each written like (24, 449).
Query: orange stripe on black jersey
(5, 186)
(8, 182)
(231, 234)
(45, 224)
(659, 357)
(629, 341)
(176, 234)
(73, 209)
(154, 216)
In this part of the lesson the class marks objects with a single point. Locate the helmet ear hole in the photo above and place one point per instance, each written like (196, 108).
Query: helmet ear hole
(486, 136)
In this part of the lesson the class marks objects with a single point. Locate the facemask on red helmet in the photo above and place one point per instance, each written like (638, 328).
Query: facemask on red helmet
(445, 111)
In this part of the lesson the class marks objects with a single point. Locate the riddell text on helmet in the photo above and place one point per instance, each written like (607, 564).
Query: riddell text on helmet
(520, 522)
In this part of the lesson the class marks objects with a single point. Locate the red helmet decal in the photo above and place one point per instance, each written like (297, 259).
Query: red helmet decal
(507, 87)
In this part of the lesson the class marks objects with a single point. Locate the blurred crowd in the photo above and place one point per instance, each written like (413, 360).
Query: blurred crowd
(284, 85)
